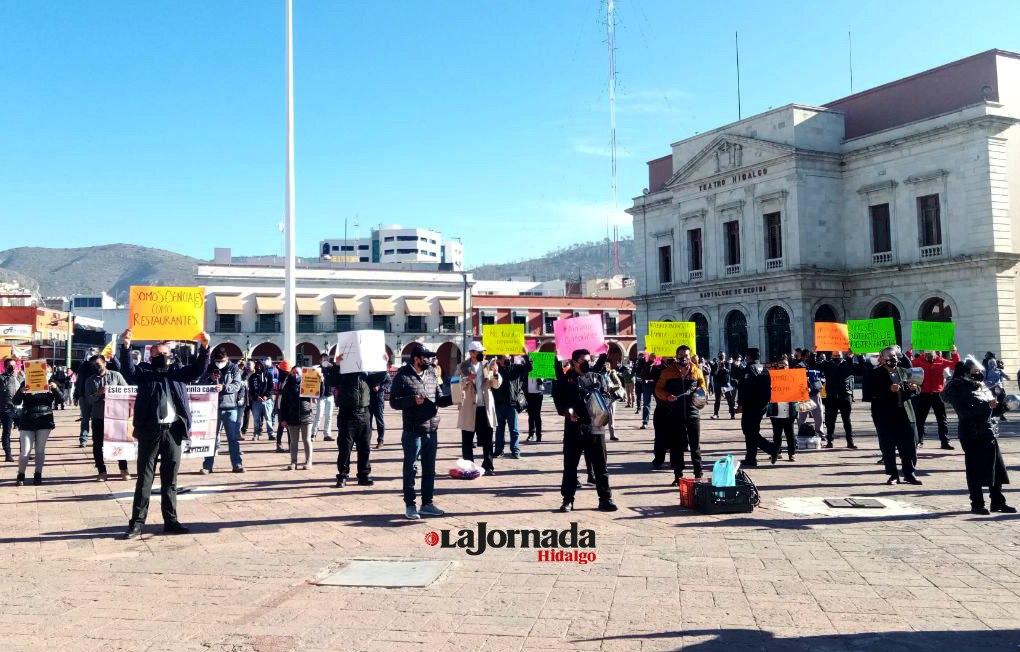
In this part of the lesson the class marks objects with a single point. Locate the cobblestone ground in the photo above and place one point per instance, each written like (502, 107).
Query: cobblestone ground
(665, 578)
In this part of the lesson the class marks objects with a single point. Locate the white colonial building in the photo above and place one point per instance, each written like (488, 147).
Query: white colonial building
(897, 201)
(245, 305)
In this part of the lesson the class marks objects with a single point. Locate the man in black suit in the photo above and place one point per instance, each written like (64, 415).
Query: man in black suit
(162, 419)
(754, 393)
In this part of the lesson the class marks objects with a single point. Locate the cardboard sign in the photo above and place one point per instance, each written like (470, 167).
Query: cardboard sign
(543, 365)
(119, 412)
(789, 385)
(667, 336)
(932, 335)
(107, 351)
(166, 313)
(35, 377)
(831, 336)
(362, 351)
(871, 335)
(503, 339)
(311, 382)
(579, 333)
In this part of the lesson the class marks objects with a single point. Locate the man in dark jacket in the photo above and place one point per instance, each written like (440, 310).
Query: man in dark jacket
(893, 414)
(639, 366)
(353, 400)
(508, 396)
(9, 384)
(85, 371)
(839, 372)
(162, 419)
(722, 378)
(226, 376)
(418, 394)
(380, 383)
(754, 393)
(260, 395)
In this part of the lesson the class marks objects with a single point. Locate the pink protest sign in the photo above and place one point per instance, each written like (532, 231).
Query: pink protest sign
(530, 346)
(579, 333)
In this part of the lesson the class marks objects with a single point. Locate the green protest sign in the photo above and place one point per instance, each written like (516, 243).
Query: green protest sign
(543, 365)
(870, 335)
(932, 335)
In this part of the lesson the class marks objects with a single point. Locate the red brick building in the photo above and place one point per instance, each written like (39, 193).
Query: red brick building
(538, 314)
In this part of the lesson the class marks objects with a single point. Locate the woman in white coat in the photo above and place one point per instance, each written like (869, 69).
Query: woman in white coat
(477, 412)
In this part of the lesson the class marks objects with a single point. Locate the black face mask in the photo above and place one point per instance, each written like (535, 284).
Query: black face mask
(159, 362)
(584, 366)
(978, 376)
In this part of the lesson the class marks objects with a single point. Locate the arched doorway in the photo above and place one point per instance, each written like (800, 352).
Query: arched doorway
(777, 333)
(267, 350)
(886, 309)
(449, 357)
(936, 309)
(232, 350)
(736, 333)
(825, 313)
(701, 341)
(307, 354)
(615, 353)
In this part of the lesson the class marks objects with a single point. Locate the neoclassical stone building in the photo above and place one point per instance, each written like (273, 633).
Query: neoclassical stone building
(896, 201)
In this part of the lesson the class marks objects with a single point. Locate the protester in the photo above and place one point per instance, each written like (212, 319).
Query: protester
(839, 373)
(674, 391)
(579, 434)
(260, 394)
(162, 419)
(815, 383)
(614, 385)
(417, 394)
(296, 415)
(535, 395)
(477, 411)
(226, 376)
(627, 376)
(380, 384)
(509, 402)
(243, 396)
(929, 399)
(646, 387)
(722, 384)
(976, 408)
(282, 375)
(783, 415)
(9, 384)
(94, 397)
(324, 409)
(353, 423)
(62, 378)
(85, 370)
(639, 365)
(35, 426)
(893, 414)
(754, 393)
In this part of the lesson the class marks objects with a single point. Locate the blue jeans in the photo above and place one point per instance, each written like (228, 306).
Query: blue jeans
(231, 422)
(425, 445)
(262, 411)
(83, 411)
(506, 417)
(646, 404)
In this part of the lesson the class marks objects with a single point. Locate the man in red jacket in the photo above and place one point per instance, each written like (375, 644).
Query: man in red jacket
(930, 398)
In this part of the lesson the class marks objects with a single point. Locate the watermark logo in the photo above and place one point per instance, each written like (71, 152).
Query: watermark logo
(572, 545)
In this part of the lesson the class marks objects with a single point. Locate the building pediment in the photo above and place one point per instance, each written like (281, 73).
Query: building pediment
(728, 154)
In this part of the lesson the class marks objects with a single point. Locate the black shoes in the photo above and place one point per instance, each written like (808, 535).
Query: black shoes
(828, 444)
(133, 532)
(37, 479)
(675, 483)
(489, 472)
(495, 455)
(9, 458)
(20, 481)
(567, 506)
(980, 511)
(175, 528)
(774, 457)
(851, 445)
(366, 482)
(341, 482)
(1004, 509)
(378, 444)
(515, 456)
(590, 480)
(893, 480)
(238, 469)
(946, 446)
(607, 506)
(909, 479)
(656, 466)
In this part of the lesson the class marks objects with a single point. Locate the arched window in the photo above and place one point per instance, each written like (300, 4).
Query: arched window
(936, 309)
(825, 312)
(736, 333)
(886, 309)
(777, 333)
(701, 341)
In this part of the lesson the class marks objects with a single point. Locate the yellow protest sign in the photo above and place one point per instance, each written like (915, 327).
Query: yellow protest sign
(311, 383)
(666, 336)
(166, 313)
(35, 376)
(503, 339)
(107, 351)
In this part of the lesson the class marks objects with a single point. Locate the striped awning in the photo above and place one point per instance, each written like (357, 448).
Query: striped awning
(308, 306)
(417, 307)
(345, 306)
(272, 305)
(383, 306)
(451, 307)
(229, 304)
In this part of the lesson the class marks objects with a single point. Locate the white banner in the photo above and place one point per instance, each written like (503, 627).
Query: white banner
(120, 410)
(15, 331)
(362, 351)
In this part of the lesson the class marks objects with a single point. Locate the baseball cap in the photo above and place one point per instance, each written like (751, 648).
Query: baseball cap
(419, 351)
(476, 346)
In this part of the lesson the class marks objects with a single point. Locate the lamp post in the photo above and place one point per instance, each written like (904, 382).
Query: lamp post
(290, 290)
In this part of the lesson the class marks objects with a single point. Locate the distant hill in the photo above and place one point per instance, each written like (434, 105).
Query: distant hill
(591, 259)
(110, 268)
(10, 276)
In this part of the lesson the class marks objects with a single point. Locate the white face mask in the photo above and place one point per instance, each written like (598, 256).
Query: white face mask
(220, 365)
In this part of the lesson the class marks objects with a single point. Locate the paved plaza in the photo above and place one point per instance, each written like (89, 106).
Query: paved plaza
(926, 575)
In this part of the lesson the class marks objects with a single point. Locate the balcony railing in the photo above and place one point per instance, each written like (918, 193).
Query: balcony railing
(881, 258)
(666, 287)
(416, 329)
(732, 269)
(228, 327)
(696, 275)
(932, 251)
(773, 263)
(448, 328)
(261, 327)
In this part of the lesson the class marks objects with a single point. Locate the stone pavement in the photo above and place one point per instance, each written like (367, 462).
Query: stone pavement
(664, 579)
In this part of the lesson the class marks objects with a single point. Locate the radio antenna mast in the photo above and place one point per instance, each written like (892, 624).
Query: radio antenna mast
(611, 39)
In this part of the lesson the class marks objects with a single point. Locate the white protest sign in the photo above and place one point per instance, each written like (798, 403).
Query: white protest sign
(120, 408)
(362, 351)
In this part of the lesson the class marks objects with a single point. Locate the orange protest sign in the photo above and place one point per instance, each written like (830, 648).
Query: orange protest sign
(789, 385)
(831, 336)
(311, 383)
(166, 313)
(35, 376)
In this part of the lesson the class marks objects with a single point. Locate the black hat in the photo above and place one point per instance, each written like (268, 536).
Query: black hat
(419, 351)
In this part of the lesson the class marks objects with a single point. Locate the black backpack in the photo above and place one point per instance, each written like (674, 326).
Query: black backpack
(807, 430)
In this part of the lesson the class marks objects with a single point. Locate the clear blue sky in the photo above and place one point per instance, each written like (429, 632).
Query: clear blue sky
(161, 123)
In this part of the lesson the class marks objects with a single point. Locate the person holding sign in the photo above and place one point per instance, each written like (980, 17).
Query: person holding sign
(674, 390)
(754, 393)
(353, 422)
(893, 414)
(930, 397)
(510, 401)
(162, 420)
(297, 412)
(35, 426)
(477, 412)
(782, 414)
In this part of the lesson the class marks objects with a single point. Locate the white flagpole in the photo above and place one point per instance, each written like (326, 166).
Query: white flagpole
(290, 293)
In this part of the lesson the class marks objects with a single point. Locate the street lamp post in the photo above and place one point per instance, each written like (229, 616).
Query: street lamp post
(290, 290)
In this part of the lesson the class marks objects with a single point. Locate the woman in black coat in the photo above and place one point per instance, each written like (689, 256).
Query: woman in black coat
(35, 427)
(297, 414)
(977, 411)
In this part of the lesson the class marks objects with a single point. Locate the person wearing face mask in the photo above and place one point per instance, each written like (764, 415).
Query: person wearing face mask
(94, 396)
(509, 399)
(977, 410)
(35, 426)
(681, 421)
(418, 394)
(162, 419)
(282, 376)
(893, 414)
(782, 416)
(722, 379)
(579, 436)
(839, 371)
(247, 369)
(754, 393)
(9, 385)
(353, 423)
(477, 412)
(297, 414)
(260, 395)
(226, 376)
(930, 399)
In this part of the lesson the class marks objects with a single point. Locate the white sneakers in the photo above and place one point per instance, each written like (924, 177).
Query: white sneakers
(426, 510)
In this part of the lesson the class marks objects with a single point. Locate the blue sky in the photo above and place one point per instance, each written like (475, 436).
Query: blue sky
(161, 123)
